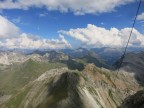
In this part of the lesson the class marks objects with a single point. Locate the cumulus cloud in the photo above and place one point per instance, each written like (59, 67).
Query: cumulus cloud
(79, 7)
(24, 41)
(11, 38)
(140, 16)
(7, 29)
(93, 36)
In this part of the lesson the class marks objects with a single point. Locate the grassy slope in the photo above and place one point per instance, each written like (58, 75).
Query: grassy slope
(18, 75)
(97, 61)
(55, 94)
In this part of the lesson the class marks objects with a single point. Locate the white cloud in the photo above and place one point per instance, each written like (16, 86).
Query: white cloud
(25, 41)
(141, 16)
(93, 36)
(7, 29)
(11, 38)
(79, 7)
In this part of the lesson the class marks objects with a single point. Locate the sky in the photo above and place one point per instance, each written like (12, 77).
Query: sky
(60, 24)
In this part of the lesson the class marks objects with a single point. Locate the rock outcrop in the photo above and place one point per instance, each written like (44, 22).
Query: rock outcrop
(134, 101)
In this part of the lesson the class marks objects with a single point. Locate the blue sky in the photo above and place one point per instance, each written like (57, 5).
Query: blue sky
(45, 23)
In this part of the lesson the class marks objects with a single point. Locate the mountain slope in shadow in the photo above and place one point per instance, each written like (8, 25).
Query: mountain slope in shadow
(133, 63)
(134, 101)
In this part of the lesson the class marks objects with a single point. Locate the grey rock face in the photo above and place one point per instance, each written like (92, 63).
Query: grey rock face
(134, 63)
(134, 101)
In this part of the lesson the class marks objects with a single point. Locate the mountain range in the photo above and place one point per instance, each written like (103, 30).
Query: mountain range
(81, 78)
